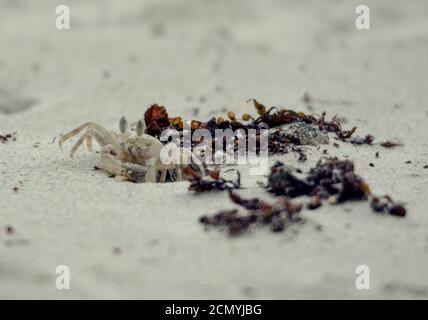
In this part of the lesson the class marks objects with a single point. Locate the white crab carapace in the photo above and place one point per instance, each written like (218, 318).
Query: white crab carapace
(135, 158)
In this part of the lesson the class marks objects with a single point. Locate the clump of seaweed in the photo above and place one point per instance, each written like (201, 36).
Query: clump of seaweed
(331, 179)
(277, 216)
(278, 144)
(305, 128)
(212, 182)
(385, 204)
(8, 137)
(368, 139)
(156, 119)
(274, 117)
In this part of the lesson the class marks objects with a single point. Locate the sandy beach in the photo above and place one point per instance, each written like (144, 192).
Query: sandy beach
(200, 59)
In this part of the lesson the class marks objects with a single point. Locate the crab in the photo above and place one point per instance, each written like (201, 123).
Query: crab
(133, 158)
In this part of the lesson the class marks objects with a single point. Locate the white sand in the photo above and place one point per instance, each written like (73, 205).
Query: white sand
(209, 54)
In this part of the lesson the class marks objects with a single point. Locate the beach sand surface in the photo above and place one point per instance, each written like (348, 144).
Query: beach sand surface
(200, 59)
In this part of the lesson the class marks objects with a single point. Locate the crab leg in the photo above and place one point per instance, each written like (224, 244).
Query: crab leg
(179, 175)
(104, 134)
(78, 143)
(110, 164)
(125, 171)
(89, 143)
(72, 133)
(93, 130)
(151, 175)
(163, 176)
(103, 137)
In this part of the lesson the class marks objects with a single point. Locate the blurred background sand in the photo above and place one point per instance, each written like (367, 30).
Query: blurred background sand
(200, 58)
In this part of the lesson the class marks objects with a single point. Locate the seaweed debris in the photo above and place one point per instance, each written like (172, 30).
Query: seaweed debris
(212, 182)
(331, 179)
(277, 216)
(156, 119)
(385, 204)
(8, 137)
(368, 139)
(309, 129)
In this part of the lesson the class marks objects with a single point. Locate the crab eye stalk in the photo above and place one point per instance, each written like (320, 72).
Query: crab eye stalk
(123, 125)
(140, 128)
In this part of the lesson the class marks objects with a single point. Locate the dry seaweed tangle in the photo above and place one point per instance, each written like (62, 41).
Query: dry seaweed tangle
(8, 137)
(276, 216)
(385, 204)
(212, 182)
(331, 179)
(157, 119)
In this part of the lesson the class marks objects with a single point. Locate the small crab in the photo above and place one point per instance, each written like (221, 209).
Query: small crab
(132, 158)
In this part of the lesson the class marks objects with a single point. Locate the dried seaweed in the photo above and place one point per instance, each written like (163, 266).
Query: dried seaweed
(276, 216)
(212, 182)
(368, 139)
(234, 222)
(331, 179)
(156, 119)
(314, 203)
(278, 144)
(385, 204)
(8, 137)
